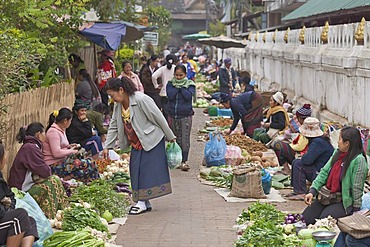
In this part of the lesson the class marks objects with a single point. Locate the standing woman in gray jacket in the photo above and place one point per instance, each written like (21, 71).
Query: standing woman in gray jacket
(138, 122)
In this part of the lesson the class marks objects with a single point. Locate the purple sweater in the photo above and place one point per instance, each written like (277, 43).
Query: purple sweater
(28, 158)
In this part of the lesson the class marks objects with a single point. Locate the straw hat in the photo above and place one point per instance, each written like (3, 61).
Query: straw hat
(311, 128)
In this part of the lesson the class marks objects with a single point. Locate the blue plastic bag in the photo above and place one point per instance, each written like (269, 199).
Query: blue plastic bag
(215, 150)
(43, 225)
(366, 201)
(174, 155)
(266, 181)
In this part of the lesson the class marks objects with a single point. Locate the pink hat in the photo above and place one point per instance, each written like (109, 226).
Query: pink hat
(311, 127)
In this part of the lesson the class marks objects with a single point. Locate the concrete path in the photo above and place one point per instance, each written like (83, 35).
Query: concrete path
(193, 215)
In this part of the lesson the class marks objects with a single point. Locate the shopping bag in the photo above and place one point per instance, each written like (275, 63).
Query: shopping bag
(43, 225)
(174, 155)
(215, 150)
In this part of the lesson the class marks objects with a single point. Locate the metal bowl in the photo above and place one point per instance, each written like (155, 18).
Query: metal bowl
(323, 235)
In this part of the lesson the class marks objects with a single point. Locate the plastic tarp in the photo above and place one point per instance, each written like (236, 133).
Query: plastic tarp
(107, 35)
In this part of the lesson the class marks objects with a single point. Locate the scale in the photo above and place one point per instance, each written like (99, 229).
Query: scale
(323, 238)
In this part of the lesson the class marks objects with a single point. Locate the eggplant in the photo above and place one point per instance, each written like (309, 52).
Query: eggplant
(122, 184)
(125, 190)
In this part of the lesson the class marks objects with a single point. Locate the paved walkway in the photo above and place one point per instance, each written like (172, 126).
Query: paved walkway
(193, 215)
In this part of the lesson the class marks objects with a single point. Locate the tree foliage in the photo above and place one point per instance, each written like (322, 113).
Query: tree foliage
(40, 32)
(160, 17)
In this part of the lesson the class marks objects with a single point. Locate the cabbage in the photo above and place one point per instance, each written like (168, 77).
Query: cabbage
(306, 233)
(309, 242)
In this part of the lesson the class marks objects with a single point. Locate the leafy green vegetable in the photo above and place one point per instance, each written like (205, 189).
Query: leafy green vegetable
(102, 197)
(77, 218)
(262, 212)
(81, 238)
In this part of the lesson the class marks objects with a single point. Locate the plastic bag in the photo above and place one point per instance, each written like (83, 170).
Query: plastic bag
(215, 150)
(366, 201)
(174, 155)
(43, 225)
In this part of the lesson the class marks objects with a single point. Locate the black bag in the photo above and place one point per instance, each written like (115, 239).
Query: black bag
(325, 197)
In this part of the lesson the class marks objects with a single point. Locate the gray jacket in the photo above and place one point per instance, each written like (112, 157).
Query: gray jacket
(146, 119)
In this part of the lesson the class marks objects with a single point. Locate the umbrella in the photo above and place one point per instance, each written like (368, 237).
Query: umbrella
(196, 36)
(222, 42)
(109, 35)
(106, 35)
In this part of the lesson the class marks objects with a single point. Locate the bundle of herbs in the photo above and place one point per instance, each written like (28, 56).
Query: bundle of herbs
(102, 197)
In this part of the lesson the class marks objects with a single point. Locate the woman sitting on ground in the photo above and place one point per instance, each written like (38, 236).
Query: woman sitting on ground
(286, 152)
(16, 227)
(31, 174)
(345, 173)
(318, 153)
(86, 90)
(276, 120)
(96, 116)
(57, 149)
(80, 130)
(246, 107)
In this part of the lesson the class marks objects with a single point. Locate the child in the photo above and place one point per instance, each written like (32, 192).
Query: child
(16, 227)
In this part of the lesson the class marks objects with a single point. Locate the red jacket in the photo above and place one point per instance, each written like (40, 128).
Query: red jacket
(105, 71)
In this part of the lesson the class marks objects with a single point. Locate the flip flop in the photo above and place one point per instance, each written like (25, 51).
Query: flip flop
(297, 197)
(136, 210)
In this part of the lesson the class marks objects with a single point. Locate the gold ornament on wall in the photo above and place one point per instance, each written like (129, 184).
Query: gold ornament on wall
(256, 36)
(301, 35)
(286, 35)
(250, 36)
(324, 33)
(359, 35)
(264, 37)
(274, 35)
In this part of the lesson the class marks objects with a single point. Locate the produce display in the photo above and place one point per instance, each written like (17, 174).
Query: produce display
(245, 142)
(101, 195)
(263, 227)
(201, 103)
(281, 181)
(82, 238)
(222, 122)
(221, 176)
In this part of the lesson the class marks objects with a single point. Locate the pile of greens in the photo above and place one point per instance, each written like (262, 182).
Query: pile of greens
(221, 176)
(266, 229)
(101, 195)
(81, 238)
(77, 218)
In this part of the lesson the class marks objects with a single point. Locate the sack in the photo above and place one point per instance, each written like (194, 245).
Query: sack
(356, 225)
(247, 182)
(44, 229)
(174, 155)
(325, 197)
(215, 150)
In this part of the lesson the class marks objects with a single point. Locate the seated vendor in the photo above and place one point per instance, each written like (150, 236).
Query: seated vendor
(80, 131)
(96, 116)
(31, 174)
(17, 228)
(318, 153)
(276, 120)
(57, 150)
(246, 107)
(286, 152)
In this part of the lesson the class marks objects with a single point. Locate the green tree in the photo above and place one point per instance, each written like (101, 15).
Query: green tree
(52, 25)
(217, 28)
(160, 17)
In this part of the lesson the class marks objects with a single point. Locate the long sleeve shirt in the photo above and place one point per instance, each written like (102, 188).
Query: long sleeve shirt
(28, 159)
(56, 145)
(166, 75)
(352, 182)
